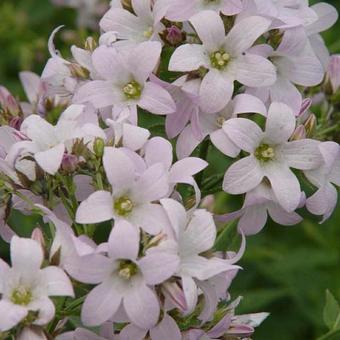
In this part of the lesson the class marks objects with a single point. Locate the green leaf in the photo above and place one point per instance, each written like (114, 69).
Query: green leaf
(331, 312)
(226, 237)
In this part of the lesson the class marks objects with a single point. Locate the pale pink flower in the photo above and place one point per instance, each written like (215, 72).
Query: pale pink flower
(192, 234)
(144, 25)
(25, 287)
(48, 143)
(224, 57)
(295, 63)
(324, 200)
(270, 156)
(211, 125)
(258, 204)
(125, 81)
(123, 278)
(132, 193)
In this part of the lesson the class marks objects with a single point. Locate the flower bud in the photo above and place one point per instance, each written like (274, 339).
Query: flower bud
(174, 35)
(90, 44)
(98, 147)
(69, 163)
(15, 123)
(310, 125)
(332, 81)
(78, 71)
(175, 294)
(299, 133)
(38, 236)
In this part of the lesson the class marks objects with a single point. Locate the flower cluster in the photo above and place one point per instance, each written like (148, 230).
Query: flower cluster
(111, 155)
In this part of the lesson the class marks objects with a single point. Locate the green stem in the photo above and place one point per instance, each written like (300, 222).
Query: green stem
(330, 334)
(328, 130)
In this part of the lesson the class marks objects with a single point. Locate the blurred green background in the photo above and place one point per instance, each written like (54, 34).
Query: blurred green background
(287, 269)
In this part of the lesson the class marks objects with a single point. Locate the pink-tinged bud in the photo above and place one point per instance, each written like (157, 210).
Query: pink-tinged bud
(175, 294)
(332, 82)
(38, 236)
(156, 240)
(306, 104)
(15, 123)
(12, 106)
(4, 93)
(208, 203)
(174, 35)
(299, 133)
(90, 44)
(69, 163)
(310, 125)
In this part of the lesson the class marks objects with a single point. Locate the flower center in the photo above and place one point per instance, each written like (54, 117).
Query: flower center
(123, 206)
(127, 269)
(220, 121)
(219, 59)
(148, 32)
(132, 90)
(21, 296)
(265, 153)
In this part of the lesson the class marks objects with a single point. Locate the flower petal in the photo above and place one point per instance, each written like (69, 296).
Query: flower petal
(210, 29)
(26, 255)
(142, 306)
(285, 185)
(280, 123)
(11, 315)
(119, 169)
(51, 159)
(156, 100)
(101, 303)
(216, 91)
(188, 57)
(246, 134)
(243, 176)
(124, 241)
(101, 203)
(243, 35)
(58, 284)
(158, 267)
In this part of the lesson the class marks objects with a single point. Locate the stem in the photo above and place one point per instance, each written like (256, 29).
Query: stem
(328, 130)
(330, 334)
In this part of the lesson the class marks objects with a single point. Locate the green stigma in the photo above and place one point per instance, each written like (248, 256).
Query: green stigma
(21, 296)
(265, 153)
(219, 59)
(123, 206)
(132, 90)
(127, 269)
(148, 32)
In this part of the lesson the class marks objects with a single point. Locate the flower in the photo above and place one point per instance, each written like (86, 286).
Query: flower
(26, 288)
(48, 143)
(132, 193)
(271, 156)
(123, 278)
(324, 200)
(134, 29)
(258, 204)
(191, 235)
(224, 57)
(125, 80)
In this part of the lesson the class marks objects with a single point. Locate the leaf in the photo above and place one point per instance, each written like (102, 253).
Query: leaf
(331, 312)
(226, 237)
